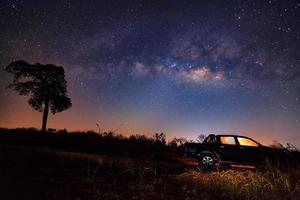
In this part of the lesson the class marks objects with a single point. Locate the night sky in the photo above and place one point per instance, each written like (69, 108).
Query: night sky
(180, 67)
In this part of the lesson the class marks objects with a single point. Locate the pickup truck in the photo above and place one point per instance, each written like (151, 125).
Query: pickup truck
(233, 151)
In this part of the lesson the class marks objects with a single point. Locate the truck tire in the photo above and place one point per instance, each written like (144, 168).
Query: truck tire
(208, 162)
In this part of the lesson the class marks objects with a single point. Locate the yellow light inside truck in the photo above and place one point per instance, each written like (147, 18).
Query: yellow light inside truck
(247, 142)
(227, 140)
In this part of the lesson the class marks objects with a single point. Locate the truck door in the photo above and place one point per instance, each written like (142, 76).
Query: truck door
(249, 150)
(228, 149)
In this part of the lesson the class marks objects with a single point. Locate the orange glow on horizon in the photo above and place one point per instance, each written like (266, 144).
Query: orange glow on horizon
(82, 117)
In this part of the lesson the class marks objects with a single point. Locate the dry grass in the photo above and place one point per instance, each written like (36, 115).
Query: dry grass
(36, 173)
(232, 184)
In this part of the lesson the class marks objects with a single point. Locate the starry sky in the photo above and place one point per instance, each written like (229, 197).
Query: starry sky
(180, 67)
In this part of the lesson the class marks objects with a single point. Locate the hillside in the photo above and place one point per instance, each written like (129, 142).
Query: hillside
(46, 173)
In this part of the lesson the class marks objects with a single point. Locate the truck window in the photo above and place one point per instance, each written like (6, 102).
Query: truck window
(247, 142)
(211, 139)
(227, 140)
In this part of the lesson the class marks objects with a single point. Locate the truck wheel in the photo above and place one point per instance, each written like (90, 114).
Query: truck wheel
(208, 162)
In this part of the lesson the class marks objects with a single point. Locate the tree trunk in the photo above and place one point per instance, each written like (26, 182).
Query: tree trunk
(45, 115)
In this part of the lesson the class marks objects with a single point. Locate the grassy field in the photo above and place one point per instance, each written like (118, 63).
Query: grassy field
(44, 173)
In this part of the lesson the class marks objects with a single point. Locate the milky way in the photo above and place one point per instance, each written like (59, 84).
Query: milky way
(180, 67)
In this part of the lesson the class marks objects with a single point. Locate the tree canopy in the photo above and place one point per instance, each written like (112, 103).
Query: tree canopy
(44, 84)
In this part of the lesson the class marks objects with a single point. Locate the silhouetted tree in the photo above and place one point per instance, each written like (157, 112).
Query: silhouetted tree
(160, 138)
(45, 84)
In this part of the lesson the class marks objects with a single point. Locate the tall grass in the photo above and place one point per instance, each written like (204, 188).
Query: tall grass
(233, 184)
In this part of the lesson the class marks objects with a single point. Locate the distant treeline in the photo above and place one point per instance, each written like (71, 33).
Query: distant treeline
(154, 147)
